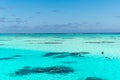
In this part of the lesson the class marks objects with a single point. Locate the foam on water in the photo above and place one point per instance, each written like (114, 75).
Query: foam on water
(18, 51)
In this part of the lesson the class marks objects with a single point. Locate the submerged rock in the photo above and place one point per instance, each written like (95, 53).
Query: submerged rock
(93, 78)
(10, 58)
(17, 56)
(26, 67)
(38, 70)
(75, 55)
(78, 54)
(52, 42)
(23, 72)
(52, 54)
(82, 52)
(60, 56)
(59, 70)
(65, 54)
(49, 70)
(7, 58)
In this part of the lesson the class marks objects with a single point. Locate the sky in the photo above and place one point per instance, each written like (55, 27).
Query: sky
(59, 16)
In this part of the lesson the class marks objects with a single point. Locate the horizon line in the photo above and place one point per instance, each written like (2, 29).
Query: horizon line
(64, 33)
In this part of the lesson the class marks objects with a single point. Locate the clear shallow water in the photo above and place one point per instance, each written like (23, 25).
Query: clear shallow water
(20, 50)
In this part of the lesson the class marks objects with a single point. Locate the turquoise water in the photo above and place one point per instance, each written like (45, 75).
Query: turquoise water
(76, 56)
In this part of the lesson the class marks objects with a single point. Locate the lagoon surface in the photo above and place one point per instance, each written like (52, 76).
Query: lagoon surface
(59, 56)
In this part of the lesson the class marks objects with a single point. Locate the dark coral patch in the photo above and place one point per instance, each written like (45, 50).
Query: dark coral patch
(23, 71)
(10, 58)
(48, 70)
(59, 70)
(38, 70)
(53, 54)
(17, 56)
(7, 58)
(65, 54)
(52, 42)
(83, 52)
(56, 54)
(78, 54)
(94, 78)
(26, 67)
(60, 56)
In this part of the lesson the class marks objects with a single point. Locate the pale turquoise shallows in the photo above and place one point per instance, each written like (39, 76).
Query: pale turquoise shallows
(87, 55)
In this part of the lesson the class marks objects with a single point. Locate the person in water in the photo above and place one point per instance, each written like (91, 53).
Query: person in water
(102, 52)
(105, 57)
